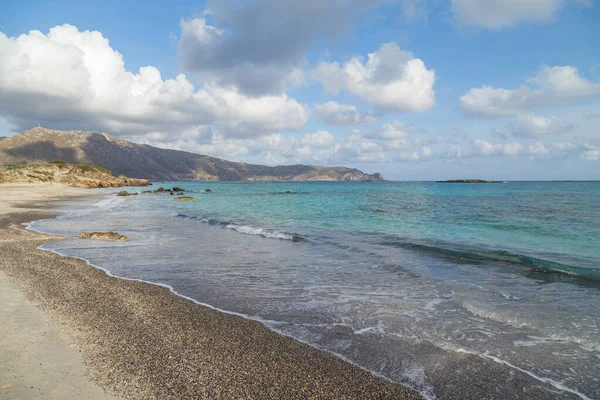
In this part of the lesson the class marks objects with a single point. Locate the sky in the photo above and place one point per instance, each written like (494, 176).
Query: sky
(413, 89)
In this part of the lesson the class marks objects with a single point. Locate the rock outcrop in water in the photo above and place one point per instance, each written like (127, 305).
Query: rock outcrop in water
(103, 235)
(84, 176)
(143, 161)
(468, 181)
(126, 193)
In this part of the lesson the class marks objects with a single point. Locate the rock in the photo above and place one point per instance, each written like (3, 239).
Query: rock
(123, 193)
(185, 198)
(288, 191)
(172, 194)
(180, 194)
(208, 190)
(147, 191)
(178, 189)
(159, 190)
(468, 181)
(83, 176)
(103, 235)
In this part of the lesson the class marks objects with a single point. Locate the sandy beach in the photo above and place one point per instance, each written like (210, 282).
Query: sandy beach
(97, 337)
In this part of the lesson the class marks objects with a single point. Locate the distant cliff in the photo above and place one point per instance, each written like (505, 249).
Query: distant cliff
(143, 161)
(84, 176)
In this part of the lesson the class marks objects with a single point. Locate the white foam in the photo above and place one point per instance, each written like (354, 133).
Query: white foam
(416, 373)
(110, 202)
(548, 381)
(585, 343)
(249, 230)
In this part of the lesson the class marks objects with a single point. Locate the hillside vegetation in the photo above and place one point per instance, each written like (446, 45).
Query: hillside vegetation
(85, 176)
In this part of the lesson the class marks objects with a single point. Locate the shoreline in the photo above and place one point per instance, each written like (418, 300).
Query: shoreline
(143, 340)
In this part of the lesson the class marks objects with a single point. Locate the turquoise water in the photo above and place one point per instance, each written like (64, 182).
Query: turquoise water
(532, 223)
(430, 285)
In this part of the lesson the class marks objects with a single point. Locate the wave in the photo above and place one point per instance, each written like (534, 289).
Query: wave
(500, 256)
(246, 229)
(551, 333)
(486, 355)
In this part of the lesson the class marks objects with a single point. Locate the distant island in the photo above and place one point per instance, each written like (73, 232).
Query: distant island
(468, 181)
(41, 145)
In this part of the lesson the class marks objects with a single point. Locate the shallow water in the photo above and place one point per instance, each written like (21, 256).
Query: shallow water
(457, 290)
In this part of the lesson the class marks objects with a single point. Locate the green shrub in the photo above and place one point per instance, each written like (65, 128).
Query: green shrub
(59, 162)
(91, 168)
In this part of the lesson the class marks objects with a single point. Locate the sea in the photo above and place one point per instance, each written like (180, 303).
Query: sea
(455, 290)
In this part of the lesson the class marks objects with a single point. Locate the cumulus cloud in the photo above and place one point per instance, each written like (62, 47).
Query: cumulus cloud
(496, 14)
(395, 130)
(550, 86)
(70, 78)
(453, 151)
(538, 149)
(389, 79)
(341, 114)
(318, 139)
(591, 153)
(500, 149)
(259, 45)
(531, 125)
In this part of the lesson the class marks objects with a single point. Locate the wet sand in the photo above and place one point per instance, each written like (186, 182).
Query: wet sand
(141, 341)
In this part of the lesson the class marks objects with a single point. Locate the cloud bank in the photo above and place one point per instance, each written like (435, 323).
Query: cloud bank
(70, 78)
(550, 86)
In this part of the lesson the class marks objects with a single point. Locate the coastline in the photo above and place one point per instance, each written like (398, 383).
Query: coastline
(140, 340)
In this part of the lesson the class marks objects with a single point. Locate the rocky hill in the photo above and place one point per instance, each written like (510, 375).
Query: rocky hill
(85, 176)
(143, 161)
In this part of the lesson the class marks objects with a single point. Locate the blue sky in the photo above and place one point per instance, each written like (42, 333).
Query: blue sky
(414, 89)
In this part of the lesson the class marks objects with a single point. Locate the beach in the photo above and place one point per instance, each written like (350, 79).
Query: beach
(138, 340)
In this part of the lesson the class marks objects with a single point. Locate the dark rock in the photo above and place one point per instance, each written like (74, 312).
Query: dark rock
(468, 181)
(172, 194)
(208, 191)
(123, 193)
(178, 189)
(159, 190)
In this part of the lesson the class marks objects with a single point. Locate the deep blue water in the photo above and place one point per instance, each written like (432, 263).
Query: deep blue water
(420, 282)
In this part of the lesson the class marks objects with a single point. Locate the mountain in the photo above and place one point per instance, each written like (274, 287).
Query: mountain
(143, 161)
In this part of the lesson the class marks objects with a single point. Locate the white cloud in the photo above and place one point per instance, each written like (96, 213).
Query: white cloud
(550, 86)
(453, 151)
(341, 114)
(592, 153)
(395, 130)
(501, 149)
(318, 139)
(427, 152)
(495, 14)
(563, 146)
(389, 79)
(259, 45)
(406, 156)
(538, 149)
(531, 125)
(70, 78)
